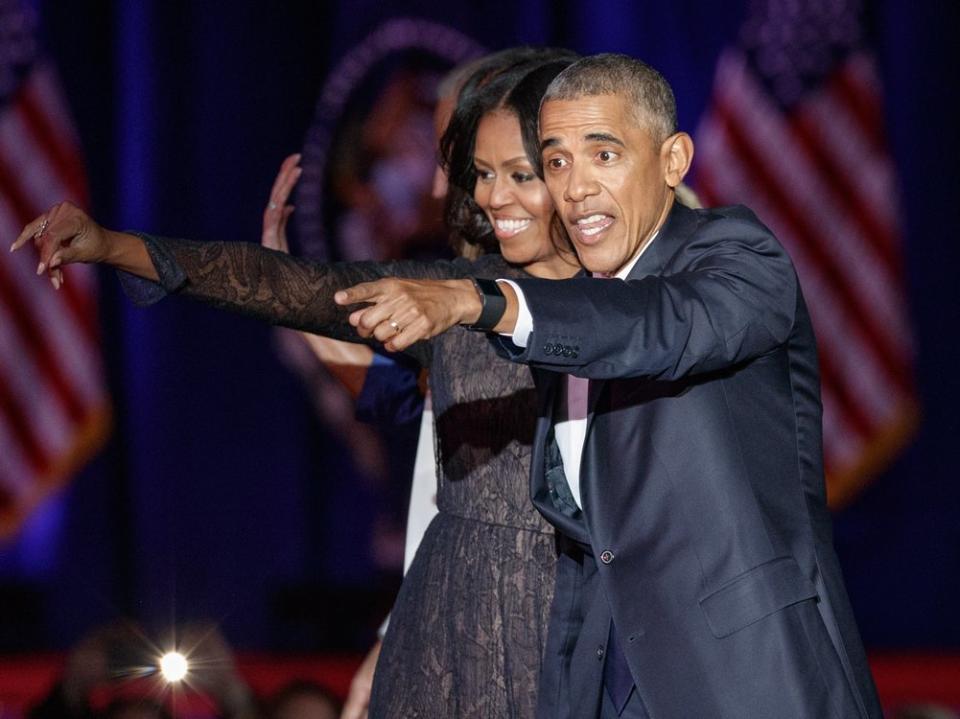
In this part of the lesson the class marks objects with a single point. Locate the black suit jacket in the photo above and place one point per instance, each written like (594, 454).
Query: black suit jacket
(702, 474)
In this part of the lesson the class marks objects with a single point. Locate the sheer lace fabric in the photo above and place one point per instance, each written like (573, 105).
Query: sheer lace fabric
(468, 628)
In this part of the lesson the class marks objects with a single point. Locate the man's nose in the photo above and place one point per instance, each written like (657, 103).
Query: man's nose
(580, 185)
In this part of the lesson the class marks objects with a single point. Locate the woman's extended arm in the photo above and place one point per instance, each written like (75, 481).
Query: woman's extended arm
(240, 276)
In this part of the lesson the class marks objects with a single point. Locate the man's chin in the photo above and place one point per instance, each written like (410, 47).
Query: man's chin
(594, 259)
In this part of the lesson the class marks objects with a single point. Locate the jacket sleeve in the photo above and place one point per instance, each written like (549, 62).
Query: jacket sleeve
(727, 295)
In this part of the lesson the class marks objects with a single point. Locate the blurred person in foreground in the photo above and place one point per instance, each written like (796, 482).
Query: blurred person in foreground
(303, 699)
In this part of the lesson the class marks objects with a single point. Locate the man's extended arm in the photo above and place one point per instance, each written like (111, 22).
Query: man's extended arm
(731, 297)
(729, 294)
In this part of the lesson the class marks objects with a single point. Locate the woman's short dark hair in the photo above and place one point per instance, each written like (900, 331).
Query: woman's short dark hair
(516, 87)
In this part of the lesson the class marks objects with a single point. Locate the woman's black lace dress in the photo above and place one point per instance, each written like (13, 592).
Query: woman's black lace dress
(468, 628)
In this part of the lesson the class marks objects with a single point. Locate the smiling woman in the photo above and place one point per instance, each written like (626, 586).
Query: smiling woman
(475, 602)
(514, 199)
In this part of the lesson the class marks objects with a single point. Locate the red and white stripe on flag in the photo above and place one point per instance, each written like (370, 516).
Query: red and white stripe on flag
(819, 175)
(54, 406)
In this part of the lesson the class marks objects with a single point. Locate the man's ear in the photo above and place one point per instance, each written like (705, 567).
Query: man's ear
(676, 152)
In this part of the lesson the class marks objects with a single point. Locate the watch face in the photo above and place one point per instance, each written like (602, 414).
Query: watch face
(370, 155)
(488, 287)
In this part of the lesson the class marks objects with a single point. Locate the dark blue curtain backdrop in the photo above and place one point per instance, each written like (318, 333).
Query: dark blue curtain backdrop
(220, 496)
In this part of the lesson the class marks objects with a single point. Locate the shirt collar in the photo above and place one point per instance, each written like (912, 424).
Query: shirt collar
(628, 268)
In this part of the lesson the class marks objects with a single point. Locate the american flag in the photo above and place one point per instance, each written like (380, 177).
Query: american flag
(795, 131)
(54, 407)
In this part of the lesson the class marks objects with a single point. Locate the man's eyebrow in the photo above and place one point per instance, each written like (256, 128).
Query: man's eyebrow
(549, 142)
(604, 137)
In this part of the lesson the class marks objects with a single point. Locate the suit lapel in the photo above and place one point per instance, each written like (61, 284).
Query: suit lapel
(680, 222)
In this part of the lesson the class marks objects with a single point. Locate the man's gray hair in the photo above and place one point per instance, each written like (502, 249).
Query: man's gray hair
(621, 75)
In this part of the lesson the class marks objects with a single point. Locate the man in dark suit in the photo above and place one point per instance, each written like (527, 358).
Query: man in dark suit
(678, 448)
(701, 560)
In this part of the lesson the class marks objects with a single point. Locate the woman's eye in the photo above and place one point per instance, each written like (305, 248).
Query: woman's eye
(483, 175)
(520, 177)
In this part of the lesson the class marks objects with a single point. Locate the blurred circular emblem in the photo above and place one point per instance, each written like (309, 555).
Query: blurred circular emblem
(370, 153)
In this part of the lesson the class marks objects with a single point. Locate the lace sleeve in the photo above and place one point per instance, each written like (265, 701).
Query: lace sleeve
(270, 285)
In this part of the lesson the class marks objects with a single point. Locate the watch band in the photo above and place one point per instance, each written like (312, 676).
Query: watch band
(492, 304)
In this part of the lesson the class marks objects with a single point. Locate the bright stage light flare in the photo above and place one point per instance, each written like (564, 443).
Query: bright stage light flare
(173, 666)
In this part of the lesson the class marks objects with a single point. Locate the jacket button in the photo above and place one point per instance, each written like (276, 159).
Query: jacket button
(567, 352)
(548, 349)
(606, 556)
(600, 652)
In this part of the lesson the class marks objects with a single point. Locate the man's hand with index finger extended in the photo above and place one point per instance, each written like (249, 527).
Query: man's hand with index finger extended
(401, 312)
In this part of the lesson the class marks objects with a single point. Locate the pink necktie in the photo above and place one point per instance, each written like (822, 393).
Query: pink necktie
(578, 390)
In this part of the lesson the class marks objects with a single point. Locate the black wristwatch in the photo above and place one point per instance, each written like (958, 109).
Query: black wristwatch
(492, 304)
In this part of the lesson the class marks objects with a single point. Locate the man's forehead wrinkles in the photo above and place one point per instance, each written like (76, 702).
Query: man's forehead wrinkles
(587, 134)
(563, 132)
(587, 130)
(576, 113)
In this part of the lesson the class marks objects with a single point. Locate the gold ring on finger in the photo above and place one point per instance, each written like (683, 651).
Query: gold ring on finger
(396, 326)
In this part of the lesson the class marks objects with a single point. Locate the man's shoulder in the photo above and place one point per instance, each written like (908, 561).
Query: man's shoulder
(704, 232)
(737, 214)
(731, 222)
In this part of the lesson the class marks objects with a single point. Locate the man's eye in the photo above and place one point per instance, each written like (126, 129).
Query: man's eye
(606, 156)
(556, 163)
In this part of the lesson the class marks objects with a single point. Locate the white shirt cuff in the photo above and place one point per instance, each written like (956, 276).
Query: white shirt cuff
(524, 326)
